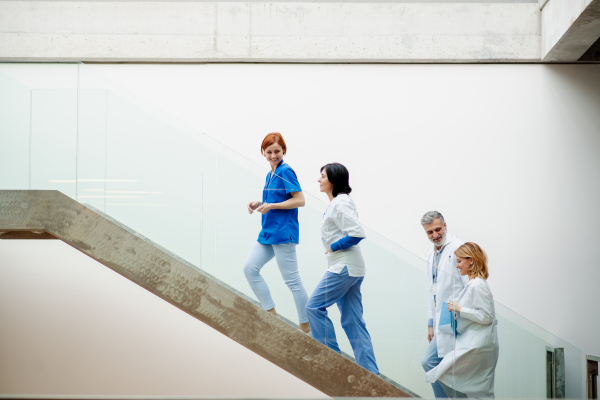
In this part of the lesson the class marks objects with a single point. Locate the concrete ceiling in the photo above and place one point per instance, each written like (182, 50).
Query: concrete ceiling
(200, 31)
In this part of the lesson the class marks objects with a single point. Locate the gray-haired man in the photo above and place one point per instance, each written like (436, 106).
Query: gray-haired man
(444, 284)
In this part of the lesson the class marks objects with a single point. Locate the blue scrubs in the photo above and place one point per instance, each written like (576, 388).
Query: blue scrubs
(280, 226)
(345, 291)
(278, 238)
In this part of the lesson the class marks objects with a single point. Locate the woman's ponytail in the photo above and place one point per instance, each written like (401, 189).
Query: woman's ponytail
(346, 190)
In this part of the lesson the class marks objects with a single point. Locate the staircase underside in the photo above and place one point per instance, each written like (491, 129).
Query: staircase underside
(26, 214)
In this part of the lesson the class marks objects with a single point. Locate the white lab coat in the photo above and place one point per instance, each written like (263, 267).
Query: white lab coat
(471, 366)
(341, 219)
(449, 285)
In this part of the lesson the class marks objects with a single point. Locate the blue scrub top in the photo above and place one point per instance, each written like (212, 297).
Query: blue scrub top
(280, 226)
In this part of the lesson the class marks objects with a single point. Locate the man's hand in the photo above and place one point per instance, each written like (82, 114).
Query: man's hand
(329, 250)
(430, 333)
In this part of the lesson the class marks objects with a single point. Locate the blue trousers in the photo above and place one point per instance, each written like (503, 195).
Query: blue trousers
(285, 254)
(430, 361)
(345, 291)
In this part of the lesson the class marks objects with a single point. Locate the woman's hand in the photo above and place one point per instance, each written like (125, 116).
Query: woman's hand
(329, 250)
(454, 306)
(264, 208)
(253, 205)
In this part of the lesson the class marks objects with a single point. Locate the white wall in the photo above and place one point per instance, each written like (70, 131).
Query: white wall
(71, 326)
(510, 154)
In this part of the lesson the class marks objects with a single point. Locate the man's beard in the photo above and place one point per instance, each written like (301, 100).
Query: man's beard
(441, 243)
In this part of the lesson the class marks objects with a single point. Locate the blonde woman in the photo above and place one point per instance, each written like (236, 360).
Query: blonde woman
(468, 370)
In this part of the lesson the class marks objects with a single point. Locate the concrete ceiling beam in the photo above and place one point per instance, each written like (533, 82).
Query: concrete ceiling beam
(269, 32)
(569, 29)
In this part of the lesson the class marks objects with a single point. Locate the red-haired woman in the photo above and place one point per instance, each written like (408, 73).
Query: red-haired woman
(282, 196)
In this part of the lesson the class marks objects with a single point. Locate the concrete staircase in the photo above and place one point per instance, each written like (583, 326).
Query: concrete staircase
(31, 214)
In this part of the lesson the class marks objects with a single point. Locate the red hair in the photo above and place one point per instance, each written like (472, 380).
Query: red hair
(272, 138)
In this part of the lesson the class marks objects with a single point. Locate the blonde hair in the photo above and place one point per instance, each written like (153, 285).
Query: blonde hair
(473, 251)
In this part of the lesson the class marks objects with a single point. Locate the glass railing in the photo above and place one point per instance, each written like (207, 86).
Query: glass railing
(38, 128)
(188, 193)
(137, 168)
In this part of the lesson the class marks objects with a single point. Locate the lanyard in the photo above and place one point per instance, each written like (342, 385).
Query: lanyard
(437, 264)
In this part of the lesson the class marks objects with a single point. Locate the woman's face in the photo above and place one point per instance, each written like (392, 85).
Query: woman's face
(273, 154)
(463, 265)
(325, 185)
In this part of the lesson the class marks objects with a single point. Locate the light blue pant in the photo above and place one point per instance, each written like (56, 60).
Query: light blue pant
(345, 291)
(430, 361)
(285, 254)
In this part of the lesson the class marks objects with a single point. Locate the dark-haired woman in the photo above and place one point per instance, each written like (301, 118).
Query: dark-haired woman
(341, 232)
(280, 231)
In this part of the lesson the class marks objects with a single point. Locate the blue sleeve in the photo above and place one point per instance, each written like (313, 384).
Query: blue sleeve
(345, 243)
(430, 322)
(290, 181)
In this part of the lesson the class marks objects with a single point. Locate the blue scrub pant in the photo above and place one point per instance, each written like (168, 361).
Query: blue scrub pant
(345, 291)
(285, 254)
(430, 361)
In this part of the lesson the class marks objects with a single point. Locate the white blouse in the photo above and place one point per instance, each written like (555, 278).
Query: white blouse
(341, 219)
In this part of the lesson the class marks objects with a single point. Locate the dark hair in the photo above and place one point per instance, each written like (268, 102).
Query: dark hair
(338, 175)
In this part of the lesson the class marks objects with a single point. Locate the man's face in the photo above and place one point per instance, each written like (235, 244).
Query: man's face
(436, 232)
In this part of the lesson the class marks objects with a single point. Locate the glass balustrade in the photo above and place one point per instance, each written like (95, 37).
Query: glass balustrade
(188, 193)
(137, 168)
(15, 131)
(38, 126)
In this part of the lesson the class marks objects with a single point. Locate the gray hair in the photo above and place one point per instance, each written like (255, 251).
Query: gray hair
(430, 216)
